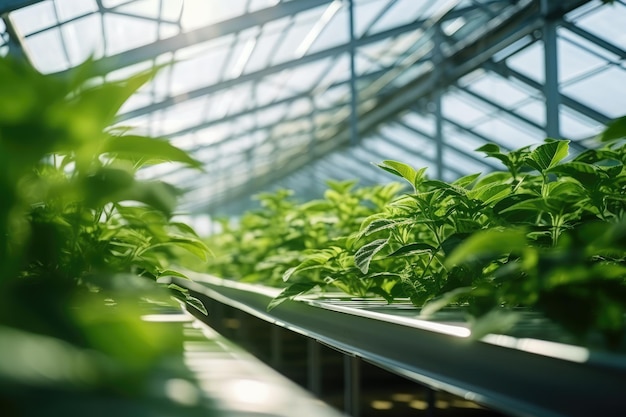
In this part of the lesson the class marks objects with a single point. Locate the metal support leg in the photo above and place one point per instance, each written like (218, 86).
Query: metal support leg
(276, 347)
(431, 399)
(352, 386)
(314, 373)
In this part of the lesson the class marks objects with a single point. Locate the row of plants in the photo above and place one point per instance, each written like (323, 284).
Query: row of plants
(546, 233)
(82, 242)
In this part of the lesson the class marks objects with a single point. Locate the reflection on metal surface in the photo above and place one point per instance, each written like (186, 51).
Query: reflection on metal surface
(443, 328)
(239, 383)
(541, 347)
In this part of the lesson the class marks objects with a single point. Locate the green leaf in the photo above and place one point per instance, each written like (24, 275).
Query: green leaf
(290, 292)
(172, 273)
(364, 255)
(592, 156)
(193, 246)
(402, 170)
(614, 131)
(588, 175)
(496, 321)
(487, 244)
(466, 181)
(490, 193)
(379, 291)
(548, 155)
(412, 249)
(381, 224)
(141, 147)
(443, 300)
(493, 151)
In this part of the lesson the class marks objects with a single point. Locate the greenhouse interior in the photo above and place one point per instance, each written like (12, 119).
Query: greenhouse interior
(312, 208)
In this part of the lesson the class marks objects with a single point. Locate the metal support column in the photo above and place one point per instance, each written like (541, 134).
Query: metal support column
(276, 347)
(352, 385)
(437, 59)
(354, 118)
(551, 84)
(314, 374)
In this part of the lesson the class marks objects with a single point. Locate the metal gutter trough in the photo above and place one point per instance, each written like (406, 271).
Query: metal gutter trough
(520, 376)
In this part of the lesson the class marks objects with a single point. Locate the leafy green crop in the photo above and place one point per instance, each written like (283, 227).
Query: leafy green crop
(546, 232)
(82, 241)
(267, 243)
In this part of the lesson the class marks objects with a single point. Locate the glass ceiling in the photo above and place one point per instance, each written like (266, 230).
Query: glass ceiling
(272, 93)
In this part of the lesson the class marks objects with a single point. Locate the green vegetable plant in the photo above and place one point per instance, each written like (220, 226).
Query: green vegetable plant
(266, 244)
(545, 233)
(82, 242)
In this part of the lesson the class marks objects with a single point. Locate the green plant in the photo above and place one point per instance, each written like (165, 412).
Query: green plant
(82, 241)
(544, 234)
(269, 242)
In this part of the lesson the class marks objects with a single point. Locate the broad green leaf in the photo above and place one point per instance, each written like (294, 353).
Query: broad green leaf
(592, 156)
(614, 131)
(493, 151)
(466, 181)
(381, 224)
(138, 147)
(156, 194)
(489, 148)
(487, 244)
(497, 177)
(413, 248)
(548, 155)
(193, 246)
(379, 291)
(444, 300)
(414, 177)
(490, 193)
(316, 205)
(172, 273)
(588, 175)
(497, 321)
(290, 292)
(364, 255)
(453, 241)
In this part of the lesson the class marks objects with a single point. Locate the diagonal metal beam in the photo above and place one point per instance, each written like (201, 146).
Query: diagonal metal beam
(521, 19)
(288, 100)
(612, 48)
(502, 69)
(449, 146)
(203, 34)
(275, 69)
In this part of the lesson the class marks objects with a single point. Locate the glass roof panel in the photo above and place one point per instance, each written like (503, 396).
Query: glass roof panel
(606, 22)
(259, 83)
(402, 12)
(83, 39)
(35, 18)
(593, 91)
(70, 9)
(47, 51)
(4, 39)
(498, 90)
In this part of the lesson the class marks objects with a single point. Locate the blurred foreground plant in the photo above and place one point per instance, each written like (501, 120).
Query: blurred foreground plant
(82, 241)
